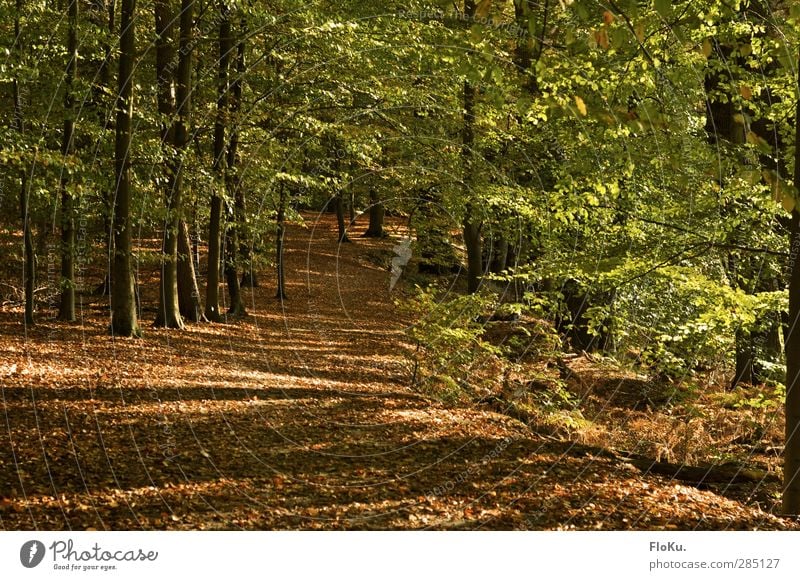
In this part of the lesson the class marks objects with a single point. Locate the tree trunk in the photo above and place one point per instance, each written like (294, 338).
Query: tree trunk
(169, 315)
(215, 220)
(472, 228)
(66, 310)
(791, 453)
(103, 14)
(472, 234)
(351, 204)
(123, 296)
(188, 292)
(28, 254)
(499, 255)
(376, 216)
(279, 237)
(233, 184)
(235, 306)
(745, 355)
(338, 206)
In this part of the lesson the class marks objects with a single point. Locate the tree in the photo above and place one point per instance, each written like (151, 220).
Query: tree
(168, 309)
(233, 186)
(67, 306)
(791, 453)
(225, 44)
(28, 255)
(280, 233)
(103, 15)
(376, 216)
(472, 226)
(188, 292)
(123, 297)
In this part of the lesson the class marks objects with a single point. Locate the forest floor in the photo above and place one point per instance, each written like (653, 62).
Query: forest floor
(299, 416)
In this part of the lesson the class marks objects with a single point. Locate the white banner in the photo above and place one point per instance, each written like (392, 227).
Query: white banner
(400, 555)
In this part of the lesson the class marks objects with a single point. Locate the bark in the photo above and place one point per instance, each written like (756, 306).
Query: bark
(104, 14)
(472, 241)
(472, 234)
(791, 454)
(338, 198)
(188, 291)
(721, 126)
(249, 276)
(351, 204)
(499, 255)
(523, 52)
(279, 238)
(745, 360)
(220, 124)
(236, 306)
(376, 216)
(529, 48)
(66, 310)
(28, 253)
(338, 206)
(212, 281)
(123, 296)
(233, 184)
(472, 228)
(168, 315)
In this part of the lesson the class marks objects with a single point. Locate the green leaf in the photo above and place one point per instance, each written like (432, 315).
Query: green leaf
(663, 7)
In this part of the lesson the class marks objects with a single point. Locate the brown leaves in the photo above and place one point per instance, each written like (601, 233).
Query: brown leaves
(298, 418)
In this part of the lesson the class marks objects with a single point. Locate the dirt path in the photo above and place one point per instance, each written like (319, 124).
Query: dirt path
(297, 417)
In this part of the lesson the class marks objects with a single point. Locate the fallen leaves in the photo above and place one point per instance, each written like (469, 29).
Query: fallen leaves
(296, 418)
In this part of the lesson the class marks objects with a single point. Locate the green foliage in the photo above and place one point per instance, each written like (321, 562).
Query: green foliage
(451, 356)
(595, 157)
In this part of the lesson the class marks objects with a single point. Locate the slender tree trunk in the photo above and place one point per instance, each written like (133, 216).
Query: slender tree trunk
(233, 185)
(338, 206)
(279, 237)
(123, 296)
(215, 221)
(168, 314)
(249, 277)
(791, 453)
(104, 13)
(338, 198)
(499, 255)
(28, 253)
(214, 251)
(188, 291)
(66, 309)
(791, 465)
(472, 228)
(29, 257)
(105, 80)
(236, 305)
(376, 216)
(351, 204)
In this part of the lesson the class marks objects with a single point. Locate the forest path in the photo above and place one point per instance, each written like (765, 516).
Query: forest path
(297, 417)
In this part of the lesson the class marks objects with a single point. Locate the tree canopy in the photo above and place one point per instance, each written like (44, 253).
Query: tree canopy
(623, 172)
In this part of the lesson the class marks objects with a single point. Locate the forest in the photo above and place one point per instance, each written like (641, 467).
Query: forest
(476, 264)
